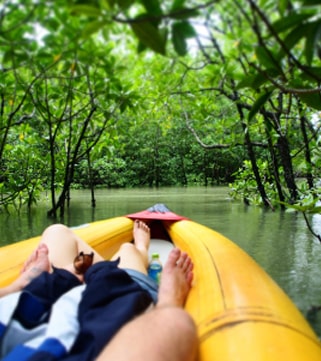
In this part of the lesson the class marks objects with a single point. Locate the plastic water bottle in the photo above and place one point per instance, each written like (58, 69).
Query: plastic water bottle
(155, 268)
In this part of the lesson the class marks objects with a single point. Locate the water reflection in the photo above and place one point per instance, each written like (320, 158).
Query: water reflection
(280, 242)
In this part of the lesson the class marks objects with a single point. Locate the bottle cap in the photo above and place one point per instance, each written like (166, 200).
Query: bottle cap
(155, 255)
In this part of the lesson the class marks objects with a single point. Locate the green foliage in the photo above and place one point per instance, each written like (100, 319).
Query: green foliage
(290, 39)
(80, 106)
(181, 31)
(106, 172)
(245, 187)
(149, 36)
(21, 180)
(307, 205)
(151, 23)
(260, 101)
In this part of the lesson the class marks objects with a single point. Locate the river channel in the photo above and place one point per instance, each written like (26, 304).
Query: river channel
(279, 241)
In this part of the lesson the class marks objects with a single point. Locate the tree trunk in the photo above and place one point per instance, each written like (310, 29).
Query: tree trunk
(307, 153)
(156, 163)
(252, 157)
(275, 163)
(53, 211)
(183, 171)
(286, 161)
(60, 204)
(91, 181)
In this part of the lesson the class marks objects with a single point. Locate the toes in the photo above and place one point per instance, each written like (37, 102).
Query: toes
(43, 247)
(136, 224)
(146, 228)
(142, 225)
(186, 264)
(189, 278)
(183, 261)
(173, 257)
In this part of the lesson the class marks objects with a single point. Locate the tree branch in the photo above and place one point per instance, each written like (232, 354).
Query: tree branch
(213, 146)
(283, 46)
(310, 228)
(282, 87)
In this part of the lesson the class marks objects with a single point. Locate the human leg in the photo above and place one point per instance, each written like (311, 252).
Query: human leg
(135, 255)
(163, 334)
(38, 263)
(64, 245)
(167, 332)
(58, 247)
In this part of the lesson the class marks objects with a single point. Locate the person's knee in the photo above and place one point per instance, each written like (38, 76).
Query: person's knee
(58, 233)
(56, 228)
(127, 248)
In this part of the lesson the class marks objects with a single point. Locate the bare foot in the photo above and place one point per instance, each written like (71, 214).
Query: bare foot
(37, 263)
(176, 279)
(141, 234)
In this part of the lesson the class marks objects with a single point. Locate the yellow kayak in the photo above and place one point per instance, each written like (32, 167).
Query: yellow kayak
(240, 312)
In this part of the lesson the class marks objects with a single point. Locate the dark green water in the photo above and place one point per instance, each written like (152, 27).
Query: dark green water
(280, 242)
